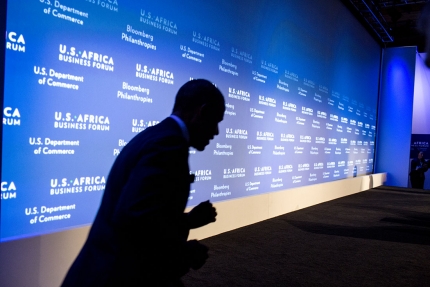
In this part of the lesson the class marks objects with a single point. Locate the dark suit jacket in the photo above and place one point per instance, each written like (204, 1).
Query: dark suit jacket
(417, 168)
(140, 232)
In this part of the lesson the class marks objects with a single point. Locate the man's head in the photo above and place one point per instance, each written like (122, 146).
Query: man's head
(420, 155)
(201, 106)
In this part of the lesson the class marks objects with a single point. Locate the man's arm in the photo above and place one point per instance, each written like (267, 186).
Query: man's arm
(201, 215)
(413, 166)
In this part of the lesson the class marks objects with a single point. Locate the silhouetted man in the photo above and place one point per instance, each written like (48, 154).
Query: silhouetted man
(139, 236)
(418, 168)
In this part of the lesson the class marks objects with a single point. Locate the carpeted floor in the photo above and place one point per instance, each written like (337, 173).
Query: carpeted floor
(379, 237)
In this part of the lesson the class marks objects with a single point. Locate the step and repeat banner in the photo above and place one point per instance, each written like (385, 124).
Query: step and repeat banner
(83, 77)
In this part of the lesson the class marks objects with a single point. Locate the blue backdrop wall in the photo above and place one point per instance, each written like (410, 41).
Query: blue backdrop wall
(83, 77)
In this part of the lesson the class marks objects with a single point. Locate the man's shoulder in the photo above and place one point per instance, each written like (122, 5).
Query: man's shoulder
(167, 133)
(167, 130)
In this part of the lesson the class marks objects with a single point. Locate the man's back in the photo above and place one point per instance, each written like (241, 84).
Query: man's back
(138, 233)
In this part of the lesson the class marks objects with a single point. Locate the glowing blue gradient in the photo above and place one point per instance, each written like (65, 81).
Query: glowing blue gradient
(318, 42)
(395, 114)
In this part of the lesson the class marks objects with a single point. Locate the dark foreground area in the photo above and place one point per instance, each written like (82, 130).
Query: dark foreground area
(380, 237)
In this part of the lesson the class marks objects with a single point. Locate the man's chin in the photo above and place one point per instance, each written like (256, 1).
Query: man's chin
(200, 146)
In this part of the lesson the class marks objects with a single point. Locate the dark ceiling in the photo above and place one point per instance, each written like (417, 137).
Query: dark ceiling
(393, 23)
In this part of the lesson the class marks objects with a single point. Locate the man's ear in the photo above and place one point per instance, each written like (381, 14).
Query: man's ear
(199, 113)
(204, 112)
